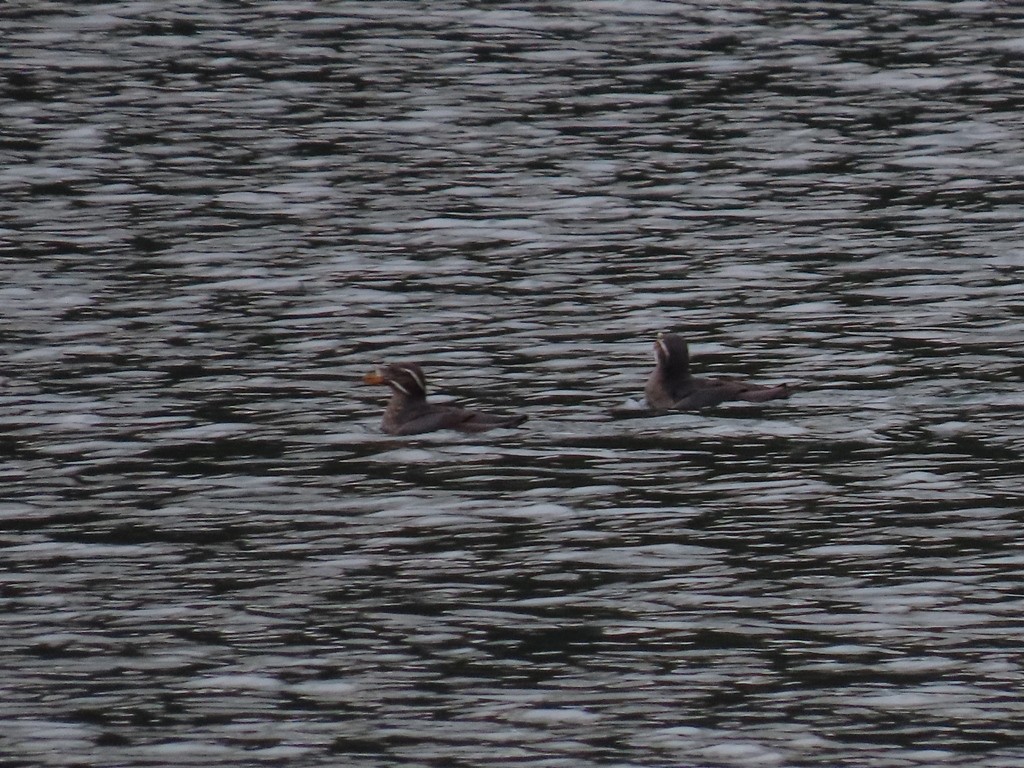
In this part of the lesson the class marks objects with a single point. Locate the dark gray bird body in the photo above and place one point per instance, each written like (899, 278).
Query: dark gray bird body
(409, 413)
(671, 386)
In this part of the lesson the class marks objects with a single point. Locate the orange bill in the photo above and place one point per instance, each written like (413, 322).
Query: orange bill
(373, 377)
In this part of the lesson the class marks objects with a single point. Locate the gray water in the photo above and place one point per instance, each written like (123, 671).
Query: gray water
(216, 217)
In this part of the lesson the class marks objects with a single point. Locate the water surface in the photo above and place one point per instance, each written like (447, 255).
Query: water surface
(214, 218)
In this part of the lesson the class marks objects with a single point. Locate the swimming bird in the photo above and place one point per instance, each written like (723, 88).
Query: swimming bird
(409, 413)
(671, 386)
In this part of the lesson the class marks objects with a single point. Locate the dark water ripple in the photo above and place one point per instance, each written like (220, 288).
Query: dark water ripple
(214, 218)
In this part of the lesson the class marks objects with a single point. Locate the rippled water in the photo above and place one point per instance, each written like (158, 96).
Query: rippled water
(215, 217)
